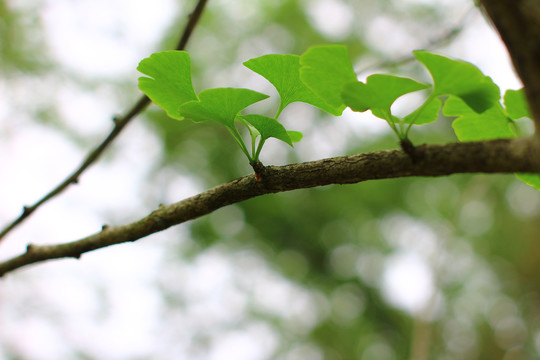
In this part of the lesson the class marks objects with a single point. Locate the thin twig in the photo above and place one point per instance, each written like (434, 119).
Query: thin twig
(119, 124)
(495, 156)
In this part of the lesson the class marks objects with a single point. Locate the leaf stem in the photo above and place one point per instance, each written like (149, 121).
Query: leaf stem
(253, 141)
(259, 148)
(418, 112)
(238, 138)
(278, 112)
(389, 120)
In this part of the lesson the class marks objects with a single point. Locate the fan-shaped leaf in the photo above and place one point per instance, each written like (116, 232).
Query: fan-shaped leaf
(516, 104)
(473, 126)
(325, 70)
(462, 79)
(378, 93)
(425, 114)
(295, 136)
(268, 127)
(221, 105)
(169, 82)
(530, 179)
(283, 71)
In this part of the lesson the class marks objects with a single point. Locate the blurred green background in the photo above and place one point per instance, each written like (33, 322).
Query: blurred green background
(416, 268)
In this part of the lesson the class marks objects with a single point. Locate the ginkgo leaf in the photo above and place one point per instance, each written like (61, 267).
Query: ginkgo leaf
(378, 93)
(325, 70)
(530, 179)
(283, 71)
(491, 124)
(268, 127)
(472, 126)
(169, 82)
(295, 136)
(516, 104)
(460, 78)
(220, 104)
(425, 114)
(517, 107)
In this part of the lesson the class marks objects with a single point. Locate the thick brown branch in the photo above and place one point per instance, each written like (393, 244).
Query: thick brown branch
(518, 23)
(119, 124)
(497, 156)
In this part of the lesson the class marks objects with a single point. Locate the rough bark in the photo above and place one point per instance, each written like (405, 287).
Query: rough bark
(497, 156)
(518, 22)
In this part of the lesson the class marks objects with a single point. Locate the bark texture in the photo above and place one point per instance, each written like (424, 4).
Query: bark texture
(518, 22)
(497, 156)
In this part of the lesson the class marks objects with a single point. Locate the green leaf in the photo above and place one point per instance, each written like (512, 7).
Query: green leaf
(491, 124)
(472, 126)
(325, 70)
(283, 71)
(516, 104)
(462, 79)
(530, 179)
(221, 105)
(268, 127)
(295, 136)
(169, 82)
(378, 93)
(425, 114)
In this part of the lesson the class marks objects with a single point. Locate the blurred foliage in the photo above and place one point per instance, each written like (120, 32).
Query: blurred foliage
(20, 40)
(476, 234)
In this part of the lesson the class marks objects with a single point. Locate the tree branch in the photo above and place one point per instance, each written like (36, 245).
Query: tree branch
(119, 124)
(496, 156)
(518, 23)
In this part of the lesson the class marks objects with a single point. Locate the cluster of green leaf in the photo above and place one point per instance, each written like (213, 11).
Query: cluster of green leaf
(171, 88)
(323, 76)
